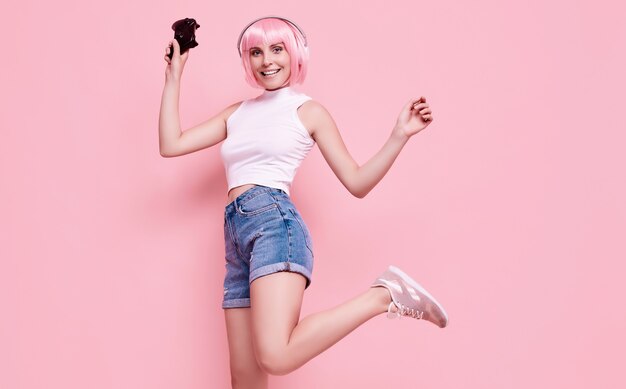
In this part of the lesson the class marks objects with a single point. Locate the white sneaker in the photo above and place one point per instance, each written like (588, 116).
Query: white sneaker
(410, 298)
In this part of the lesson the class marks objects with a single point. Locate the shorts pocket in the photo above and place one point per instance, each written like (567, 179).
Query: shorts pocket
(305, 230)
(260, 203)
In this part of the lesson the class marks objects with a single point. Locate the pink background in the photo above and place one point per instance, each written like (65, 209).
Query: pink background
(509, 208)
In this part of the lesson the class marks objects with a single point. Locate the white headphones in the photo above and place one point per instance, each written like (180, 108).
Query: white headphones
(269, 17)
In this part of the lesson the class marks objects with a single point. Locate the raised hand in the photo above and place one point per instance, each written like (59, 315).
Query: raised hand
(414, 117)
(175, 66)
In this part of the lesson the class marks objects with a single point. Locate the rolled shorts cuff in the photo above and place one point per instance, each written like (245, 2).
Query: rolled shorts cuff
(236, 303)
(281, 266)
(266, 270)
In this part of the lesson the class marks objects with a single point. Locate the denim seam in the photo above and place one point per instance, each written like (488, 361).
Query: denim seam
(233, 238)
(288, 233)
(304, 234)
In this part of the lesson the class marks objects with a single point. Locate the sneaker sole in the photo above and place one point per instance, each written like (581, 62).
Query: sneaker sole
(417, 286)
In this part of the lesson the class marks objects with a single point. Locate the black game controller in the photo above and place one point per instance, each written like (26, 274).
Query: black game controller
(185, 34)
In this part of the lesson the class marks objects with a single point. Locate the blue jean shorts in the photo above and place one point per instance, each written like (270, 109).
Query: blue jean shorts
(264, 234)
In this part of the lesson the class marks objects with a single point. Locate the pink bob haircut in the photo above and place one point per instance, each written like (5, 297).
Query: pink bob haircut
(270, 31)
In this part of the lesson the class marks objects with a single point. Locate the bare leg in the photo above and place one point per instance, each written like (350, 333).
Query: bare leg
(245, 372)
(282, 344)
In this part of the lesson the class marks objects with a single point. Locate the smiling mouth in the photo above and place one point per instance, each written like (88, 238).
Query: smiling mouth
(270, 72)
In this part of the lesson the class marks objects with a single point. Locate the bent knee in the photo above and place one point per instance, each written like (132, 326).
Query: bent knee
(275, 364)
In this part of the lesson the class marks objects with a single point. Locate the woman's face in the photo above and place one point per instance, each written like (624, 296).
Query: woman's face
(271, 65)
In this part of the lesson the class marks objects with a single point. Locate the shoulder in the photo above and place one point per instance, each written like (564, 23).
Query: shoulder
(313, 115)
(226, 112)
(312, 107)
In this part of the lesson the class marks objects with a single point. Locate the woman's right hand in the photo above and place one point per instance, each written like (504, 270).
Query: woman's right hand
(175, 66)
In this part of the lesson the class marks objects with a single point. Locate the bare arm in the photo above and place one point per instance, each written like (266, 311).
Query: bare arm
(173, 142)
(360, 180)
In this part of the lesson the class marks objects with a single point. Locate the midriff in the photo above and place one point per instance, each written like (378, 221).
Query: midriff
(236, 191)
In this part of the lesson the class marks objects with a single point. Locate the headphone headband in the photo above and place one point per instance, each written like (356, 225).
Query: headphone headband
(268, 17)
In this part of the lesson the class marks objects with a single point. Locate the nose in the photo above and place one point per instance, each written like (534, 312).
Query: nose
(267, 59)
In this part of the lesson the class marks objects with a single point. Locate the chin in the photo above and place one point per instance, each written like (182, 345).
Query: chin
(274, 85)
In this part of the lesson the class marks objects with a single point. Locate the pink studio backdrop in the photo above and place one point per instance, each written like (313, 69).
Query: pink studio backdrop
(509, 207)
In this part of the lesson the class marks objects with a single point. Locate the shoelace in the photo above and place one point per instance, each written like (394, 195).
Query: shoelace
(403, 310)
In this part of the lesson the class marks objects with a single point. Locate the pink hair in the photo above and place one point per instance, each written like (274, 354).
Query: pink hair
(271, 31)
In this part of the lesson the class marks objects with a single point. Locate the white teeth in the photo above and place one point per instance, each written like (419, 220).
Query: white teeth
(270, 72)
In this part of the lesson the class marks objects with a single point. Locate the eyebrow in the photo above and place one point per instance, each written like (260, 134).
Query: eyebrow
(275, 44)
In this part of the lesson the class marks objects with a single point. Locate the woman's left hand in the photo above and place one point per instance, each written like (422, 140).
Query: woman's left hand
(415, 116)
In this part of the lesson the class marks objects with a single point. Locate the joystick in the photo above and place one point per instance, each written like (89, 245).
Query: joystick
(185, 34)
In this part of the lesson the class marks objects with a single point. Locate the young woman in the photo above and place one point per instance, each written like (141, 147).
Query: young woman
(269, 251)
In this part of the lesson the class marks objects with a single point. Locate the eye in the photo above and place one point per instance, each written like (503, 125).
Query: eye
(254, 52)
(278, 49)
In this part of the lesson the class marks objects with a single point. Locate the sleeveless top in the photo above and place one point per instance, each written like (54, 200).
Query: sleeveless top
(266, 141)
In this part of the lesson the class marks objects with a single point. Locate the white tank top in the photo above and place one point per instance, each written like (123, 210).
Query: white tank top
(266, 141)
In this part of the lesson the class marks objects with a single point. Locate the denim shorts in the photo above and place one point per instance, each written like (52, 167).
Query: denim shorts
(264, 234)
